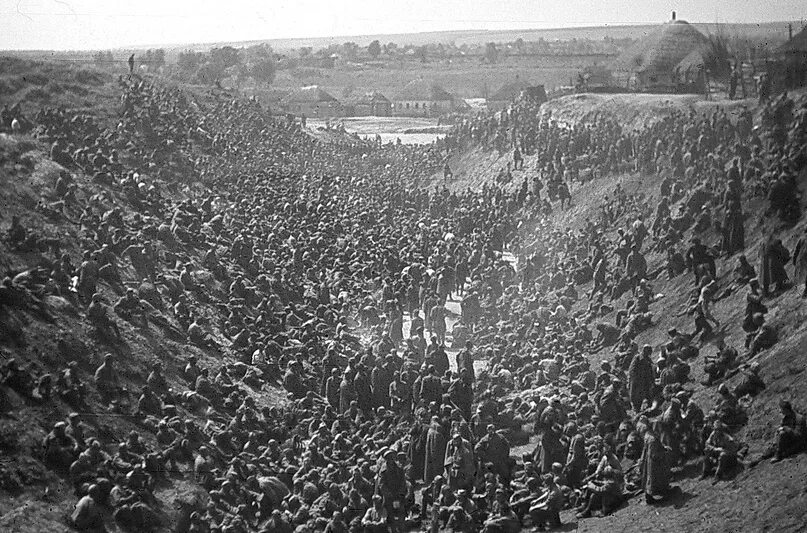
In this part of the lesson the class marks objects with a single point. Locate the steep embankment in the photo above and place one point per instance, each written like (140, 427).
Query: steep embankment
(761, 496)
(634, 111)
(32, 498)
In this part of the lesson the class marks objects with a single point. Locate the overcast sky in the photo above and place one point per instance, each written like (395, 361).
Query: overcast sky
(100, 24)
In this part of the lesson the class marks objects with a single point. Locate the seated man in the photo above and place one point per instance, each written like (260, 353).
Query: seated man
(87, 515)
(17, 377)
(717, 366)
(751, 384)
(59, 449)
(790, 439)
(605, 490)
(500, 517)
(763, 336)
(546, 510)
(149, 403)
(720, 452)
(375, 519)
(98, 317)
(198, 336)
(69, 385)
(106, 378)
(130, 308)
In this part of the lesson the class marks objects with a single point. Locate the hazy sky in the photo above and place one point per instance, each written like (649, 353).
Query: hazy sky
(94, 24)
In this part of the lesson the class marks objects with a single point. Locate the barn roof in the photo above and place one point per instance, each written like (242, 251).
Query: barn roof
(423, 90)
(796, 45)
(510, 91)
(310, 94)
(662, 49)
(373, 97)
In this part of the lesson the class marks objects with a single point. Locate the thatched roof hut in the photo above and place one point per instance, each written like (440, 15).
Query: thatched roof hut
(651, 63)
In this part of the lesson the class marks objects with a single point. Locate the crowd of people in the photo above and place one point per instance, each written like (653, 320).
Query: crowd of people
(324, 270)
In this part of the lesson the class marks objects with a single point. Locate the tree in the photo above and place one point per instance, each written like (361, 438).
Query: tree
(189, 61)
(154, 59)
(491, 53)
(103, 59)
(263, 70)
(390, 48)
(422, 52)
(209, 73)
(225, 57)
(350, 50)
(374, 49)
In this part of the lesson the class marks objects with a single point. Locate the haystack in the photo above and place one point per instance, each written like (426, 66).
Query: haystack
(651, 63)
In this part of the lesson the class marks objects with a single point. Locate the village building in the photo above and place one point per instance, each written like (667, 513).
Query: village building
(313, 102)
(669, 59)
(372, 104)
(420, 98)
(514, 90)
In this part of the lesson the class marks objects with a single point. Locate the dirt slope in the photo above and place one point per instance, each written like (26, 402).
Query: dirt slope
(32, 498)
(762, 496)
(766, 497)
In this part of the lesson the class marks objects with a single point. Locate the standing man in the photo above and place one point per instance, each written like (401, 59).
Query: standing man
(465, 359)
(641, 378)
(391, 486)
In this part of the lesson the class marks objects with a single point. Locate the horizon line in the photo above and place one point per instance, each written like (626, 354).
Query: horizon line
(368, 36)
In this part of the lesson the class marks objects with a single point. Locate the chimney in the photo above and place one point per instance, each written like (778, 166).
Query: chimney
(673, 15)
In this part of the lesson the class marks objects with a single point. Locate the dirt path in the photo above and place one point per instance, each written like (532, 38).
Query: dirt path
(452, 317)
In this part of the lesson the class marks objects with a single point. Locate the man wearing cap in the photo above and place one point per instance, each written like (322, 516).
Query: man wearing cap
(391, 486)
(436, 355)
(106, 378)
(546, 510)
(75, 429)
(376, 518)
(773, 257)
(790, 438)
(436, 443)
(720, 452)
(761, 337)
(98, 316)
(87, 514)
(717, 366)
(465, 359)
(654, 469)
(641, 378)
(501, 517)
(59, 449)
(698, 254)
(292, 380)
(693, 423)
(605, 490)
(459, 462)
(495, 449)
(750, 384)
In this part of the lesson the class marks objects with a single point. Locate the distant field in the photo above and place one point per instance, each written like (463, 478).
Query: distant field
(775, 31)
(469, 79)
